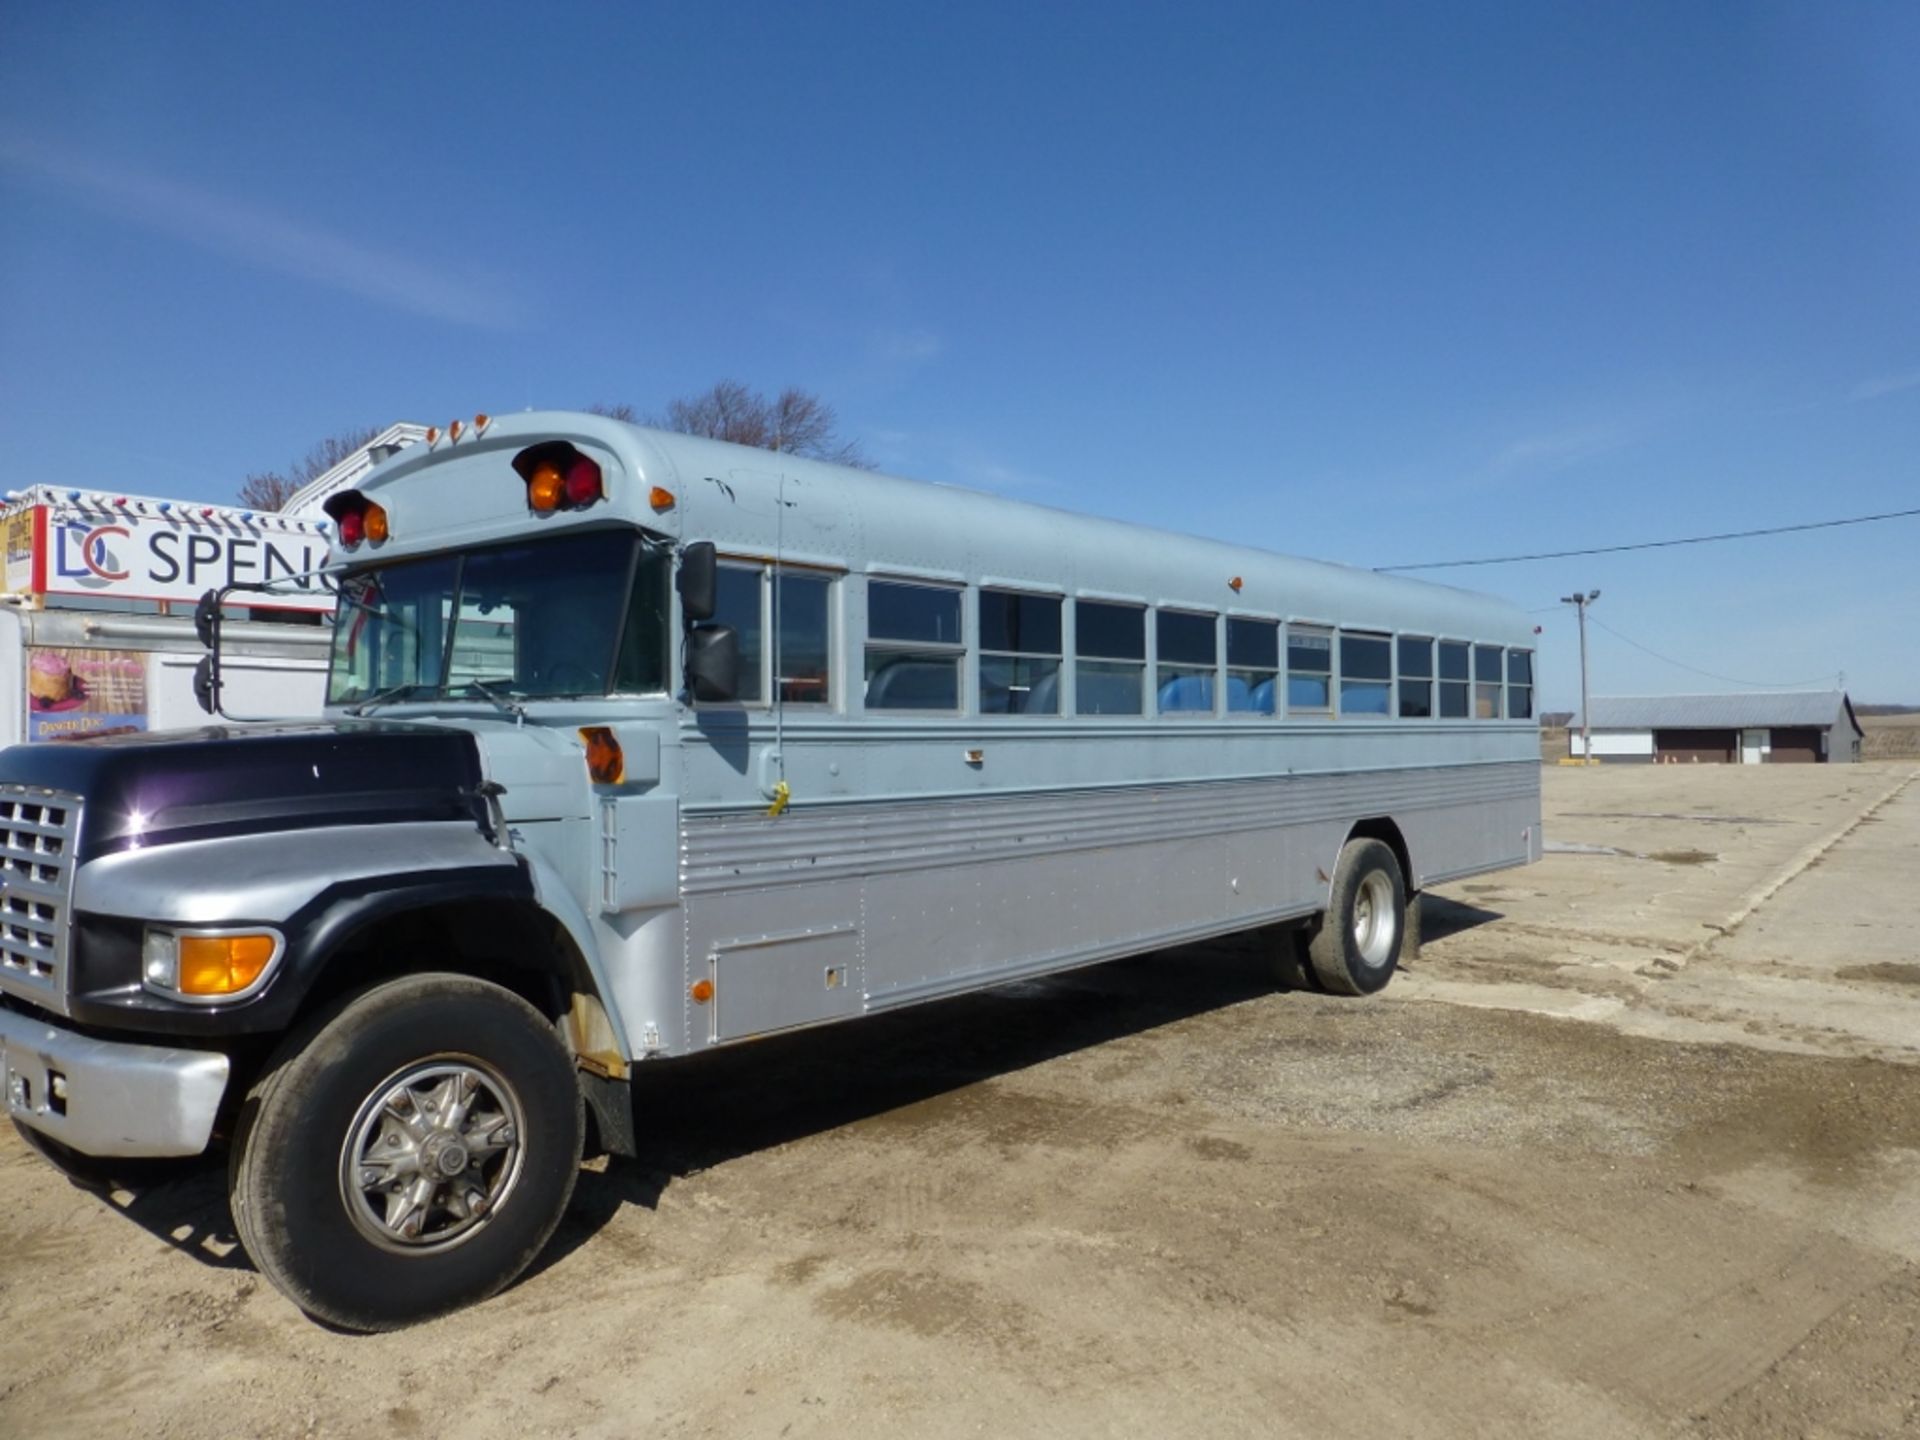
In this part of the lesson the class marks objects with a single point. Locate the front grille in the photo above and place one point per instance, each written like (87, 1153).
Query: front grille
(38, 829)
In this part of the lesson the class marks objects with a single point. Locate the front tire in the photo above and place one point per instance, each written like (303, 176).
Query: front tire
(408, 1153)
(1357, 945)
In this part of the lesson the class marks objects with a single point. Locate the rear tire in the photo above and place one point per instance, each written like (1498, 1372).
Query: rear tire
(408, 1153)
(1357, 945)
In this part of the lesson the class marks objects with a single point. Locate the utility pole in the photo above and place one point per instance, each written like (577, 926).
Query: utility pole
(1580, 601)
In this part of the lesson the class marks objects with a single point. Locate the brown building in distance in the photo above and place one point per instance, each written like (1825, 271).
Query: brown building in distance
(1779, 728)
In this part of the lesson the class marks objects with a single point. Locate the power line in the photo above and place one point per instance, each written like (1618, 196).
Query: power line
(1653, 544)
(1724, 679)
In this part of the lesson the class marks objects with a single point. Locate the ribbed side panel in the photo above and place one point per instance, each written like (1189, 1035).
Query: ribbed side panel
(822, 914)
(734, 852)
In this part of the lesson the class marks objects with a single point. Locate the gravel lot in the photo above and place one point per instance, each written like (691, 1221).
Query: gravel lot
(1631, 1149)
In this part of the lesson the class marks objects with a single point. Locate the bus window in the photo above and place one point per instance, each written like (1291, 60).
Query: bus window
(1416, 678)
(1253, 664)
(1454, 699)
(1366, 674)
(1309, 669)
(1188, 652)
(738, 602)
(803, 650)
(1110, 646)
(1486, 674)
(1019, 653)
(1519, 684)
(913, 646)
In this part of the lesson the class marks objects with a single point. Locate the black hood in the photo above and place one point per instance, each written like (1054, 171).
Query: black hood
(158, 787)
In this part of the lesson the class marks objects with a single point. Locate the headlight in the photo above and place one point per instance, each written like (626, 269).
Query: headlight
(209, 965)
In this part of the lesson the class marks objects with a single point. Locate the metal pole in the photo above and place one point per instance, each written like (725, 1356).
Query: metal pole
(1580, 599)
(1586, 705)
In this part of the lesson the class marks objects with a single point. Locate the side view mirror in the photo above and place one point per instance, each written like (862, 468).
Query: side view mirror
(206, 620)
(713, 662)
(698, 582)
(206, 684)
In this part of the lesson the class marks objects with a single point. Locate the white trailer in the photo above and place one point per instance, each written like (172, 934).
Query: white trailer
(96, 622)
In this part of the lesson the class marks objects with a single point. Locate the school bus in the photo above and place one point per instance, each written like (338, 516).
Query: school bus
(637, 745)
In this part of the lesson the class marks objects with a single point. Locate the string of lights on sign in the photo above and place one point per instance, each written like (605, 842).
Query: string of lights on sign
(98, 502)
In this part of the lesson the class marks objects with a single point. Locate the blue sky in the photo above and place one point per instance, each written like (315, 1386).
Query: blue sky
(1374, 283)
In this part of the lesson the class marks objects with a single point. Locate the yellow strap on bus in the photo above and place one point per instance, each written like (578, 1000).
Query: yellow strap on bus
(781, 794)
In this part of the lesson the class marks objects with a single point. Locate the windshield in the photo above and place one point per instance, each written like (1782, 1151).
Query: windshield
(578, 614)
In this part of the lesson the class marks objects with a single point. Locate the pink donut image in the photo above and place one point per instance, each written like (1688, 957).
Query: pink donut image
(49, 678)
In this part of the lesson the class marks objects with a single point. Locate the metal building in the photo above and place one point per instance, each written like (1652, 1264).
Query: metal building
(1781, 728)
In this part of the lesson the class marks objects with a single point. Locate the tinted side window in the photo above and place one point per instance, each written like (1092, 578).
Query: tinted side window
(1188, 646)
(804, 649)
(1253, 664)
(1455, 702)
(1486, 677)
(1416, 678)
(1113, 632)
(1019, 653)
(737, 602)
(1309, 669)
(1366, 666)
(1109, 669)
(1520, 684)
(1019, 624)
(913, 646)
(913, 612)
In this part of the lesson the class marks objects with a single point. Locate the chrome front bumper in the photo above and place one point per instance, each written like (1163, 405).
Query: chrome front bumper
(104, 1097)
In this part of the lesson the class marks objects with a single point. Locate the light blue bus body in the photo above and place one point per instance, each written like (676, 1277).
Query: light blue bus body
(819, 859)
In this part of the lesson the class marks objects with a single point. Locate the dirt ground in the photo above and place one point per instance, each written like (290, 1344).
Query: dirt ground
(1631, 1149)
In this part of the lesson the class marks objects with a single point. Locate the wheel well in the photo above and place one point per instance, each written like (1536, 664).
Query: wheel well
(508, 942)
(1387, 833)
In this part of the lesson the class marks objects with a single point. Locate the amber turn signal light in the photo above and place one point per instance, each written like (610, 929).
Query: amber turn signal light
(605, 762)
(545, 488)
(223, 964)
(701, 991)
(660, 499)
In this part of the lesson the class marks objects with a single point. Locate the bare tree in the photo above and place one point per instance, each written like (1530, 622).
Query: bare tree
(266, 490)
(271, 489)
(798, 422)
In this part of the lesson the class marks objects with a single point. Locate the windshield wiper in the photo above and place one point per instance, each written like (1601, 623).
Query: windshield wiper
(512, 707)
(382, 697)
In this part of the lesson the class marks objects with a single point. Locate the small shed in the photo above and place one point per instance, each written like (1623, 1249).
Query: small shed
(1785, 727)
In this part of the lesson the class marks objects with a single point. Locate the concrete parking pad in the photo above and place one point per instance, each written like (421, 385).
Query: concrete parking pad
(1662, 909)
(1163, 1197)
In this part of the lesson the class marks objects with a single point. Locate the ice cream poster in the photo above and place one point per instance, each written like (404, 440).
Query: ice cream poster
(75, 694)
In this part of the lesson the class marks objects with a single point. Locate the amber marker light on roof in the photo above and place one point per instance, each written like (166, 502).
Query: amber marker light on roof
(453, 430)
(1234, 584)
(481, 421)
(433, 434)
(545, 487)
(660, 499)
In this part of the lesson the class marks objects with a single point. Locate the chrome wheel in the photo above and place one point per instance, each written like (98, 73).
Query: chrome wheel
(1376, 918)
(432, 1154)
